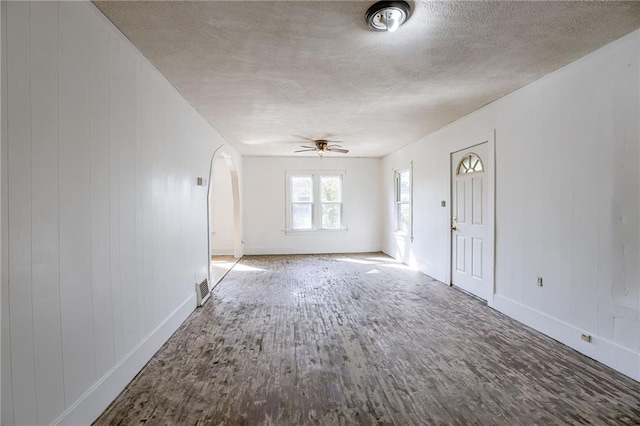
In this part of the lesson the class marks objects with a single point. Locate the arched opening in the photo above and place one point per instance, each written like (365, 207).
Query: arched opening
(225, 242)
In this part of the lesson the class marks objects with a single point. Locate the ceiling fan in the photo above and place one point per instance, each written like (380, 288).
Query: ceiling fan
(322, 146)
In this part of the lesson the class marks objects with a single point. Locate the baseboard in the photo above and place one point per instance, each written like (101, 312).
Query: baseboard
(310, 250)
(222, 251)
(425, 268)
(605, 351)
(90, 405)
(430, 270)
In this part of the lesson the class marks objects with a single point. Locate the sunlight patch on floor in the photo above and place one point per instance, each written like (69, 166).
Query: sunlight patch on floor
(383, 259)
(359, 261)
(397, 266)
(385, 262)
(222, 264)
(246, 268)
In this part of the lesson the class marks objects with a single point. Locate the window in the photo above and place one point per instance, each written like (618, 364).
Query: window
(301, 202)
(469, 163)
(403, 201)
(331, 202)
(314, 201)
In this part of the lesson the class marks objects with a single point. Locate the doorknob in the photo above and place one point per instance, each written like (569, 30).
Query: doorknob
(453, 228)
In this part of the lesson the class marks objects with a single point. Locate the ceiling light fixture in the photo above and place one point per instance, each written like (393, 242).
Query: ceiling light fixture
(387, 15)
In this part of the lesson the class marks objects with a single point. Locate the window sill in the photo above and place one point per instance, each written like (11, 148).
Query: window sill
(315, 231)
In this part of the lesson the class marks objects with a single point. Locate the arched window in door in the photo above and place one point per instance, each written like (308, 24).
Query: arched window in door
(470, 163)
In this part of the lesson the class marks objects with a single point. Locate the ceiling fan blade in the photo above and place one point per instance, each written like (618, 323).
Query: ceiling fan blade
(305, 150)
(334, 145)
(304, 137)
(305, 146)
(344, 151)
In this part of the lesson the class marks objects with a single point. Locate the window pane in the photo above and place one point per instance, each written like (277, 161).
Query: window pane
(405, 192)
(331, 215)
(301, 189)
(301, 216)
(404, 217)
(330, 189)
(469, 164)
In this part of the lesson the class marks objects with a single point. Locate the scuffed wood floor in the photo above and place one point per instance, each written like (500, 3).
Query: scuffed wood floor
(360, 339)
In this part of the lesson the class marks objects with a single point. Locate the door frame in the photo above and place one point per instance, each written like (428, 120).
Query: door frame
(238, 249)
(490, 173)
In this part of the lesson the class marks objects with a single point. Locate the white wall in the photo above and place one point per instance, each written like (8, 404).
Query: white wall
(3, 192)
(107, 230)
(264, 201)
(221, 208)
(567, 202)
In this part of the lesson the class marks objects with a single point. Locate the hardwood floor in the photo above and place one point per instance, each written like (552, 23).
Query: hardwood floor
(361, 339)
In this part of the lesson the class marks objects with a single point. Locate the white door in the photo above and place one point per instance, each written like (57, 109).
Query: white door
(471, 242)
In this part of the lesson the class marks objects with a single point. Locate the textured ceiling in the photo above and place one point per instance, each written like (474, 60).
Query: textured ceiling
(263, 72)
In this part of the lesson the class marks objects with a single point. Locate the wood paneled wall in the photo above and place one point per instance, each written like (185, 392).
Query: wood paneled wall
(107, 230)
(567, 202)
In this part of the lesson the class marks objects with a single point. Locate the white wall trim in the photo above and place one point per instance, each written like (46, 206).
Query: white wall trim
(3, 180)
(311, 250)
(90, 405)
(222, 251)
(429, 270)
(602, 350)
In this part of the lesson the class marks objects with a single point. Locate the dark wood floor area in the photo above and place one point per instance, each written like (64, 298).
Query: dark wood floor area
(361, 339)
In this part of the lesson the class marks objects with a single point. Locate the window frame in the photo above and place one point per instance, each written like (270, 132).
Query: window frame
(472, 168)
(321, 203)
(316, 203)
(399, 203)
(292, 203)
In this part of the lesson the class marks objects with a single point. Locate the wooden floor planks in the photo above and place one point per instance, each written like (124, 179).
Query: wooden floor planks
(361, 339)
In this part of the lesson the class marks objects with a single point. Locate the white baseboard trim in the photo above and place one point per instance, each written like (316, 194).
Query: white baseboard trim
(605, 351)
(222, 251)
(90, 405)
(425, 268)
(310, 250)
(431, 271)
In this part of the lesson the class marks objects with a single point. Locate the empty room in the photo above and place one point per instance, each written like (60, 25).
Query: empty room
(320, 212)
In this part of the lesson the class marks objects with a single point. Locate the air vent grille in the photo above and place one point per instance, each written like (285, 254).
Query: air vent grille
(202, 289)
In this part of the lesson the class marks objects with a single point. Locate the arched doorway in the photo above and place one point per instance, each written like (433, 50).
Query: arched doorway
(225, 243)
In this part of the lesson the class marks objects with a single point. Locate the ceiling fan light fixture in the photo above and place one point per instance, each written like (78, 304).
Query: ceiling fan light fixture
(322, 146)
(387, 15)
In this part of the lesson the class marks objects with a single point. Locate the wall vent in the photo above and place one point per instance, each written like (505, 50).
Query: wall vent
(202, 290)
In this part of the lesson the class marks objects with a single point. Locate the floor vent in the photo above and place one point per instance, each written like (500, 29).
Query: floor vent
(202, 290)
